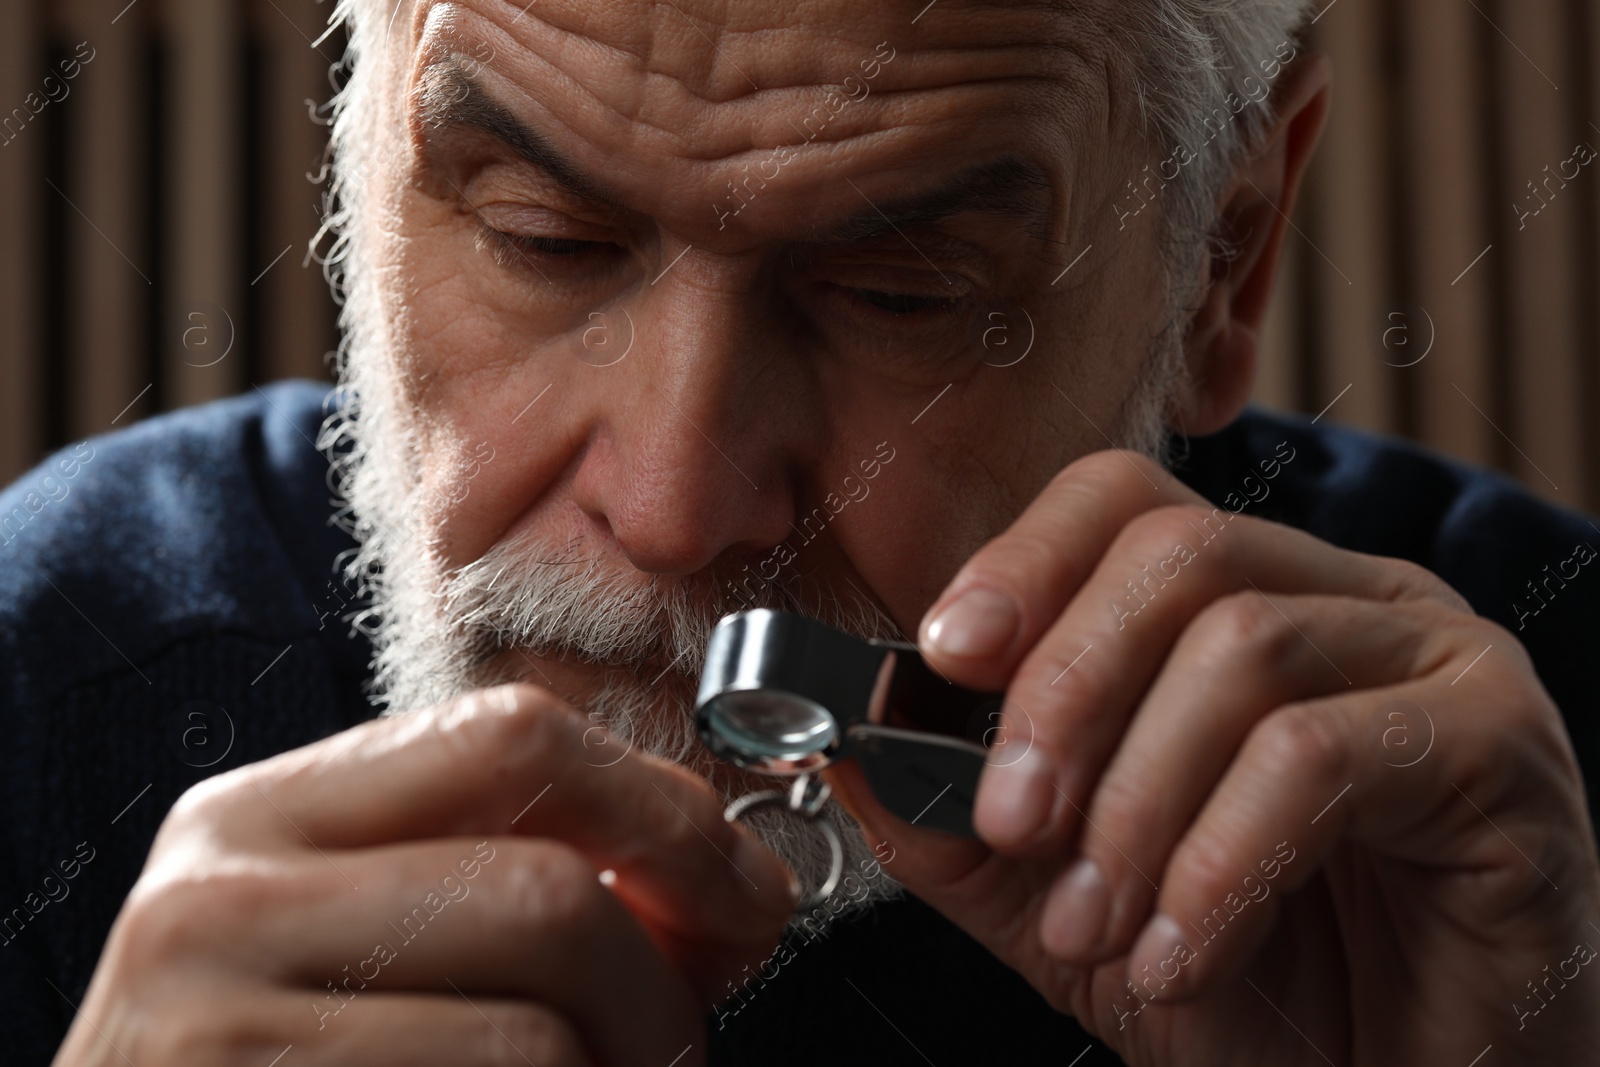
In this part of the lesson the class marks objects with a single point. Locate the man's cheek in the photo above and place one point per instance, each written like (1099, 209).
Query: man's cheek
(452, 303)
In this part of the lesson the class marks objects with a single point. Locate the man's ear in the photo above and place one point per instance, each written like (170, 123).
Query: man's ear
(1253, 219)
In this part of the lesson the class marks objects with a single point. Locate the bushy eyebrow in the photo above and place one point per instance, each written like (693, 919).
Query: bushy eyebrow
(1010, 186)
(451, 98)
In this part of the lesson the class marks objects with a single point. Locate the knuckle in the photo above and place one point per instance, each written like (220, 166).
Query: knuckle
(1155, 534)
(194, 1037)
(1208, 868)
(1525, 714)
(1111, 468)
(1015, 562)
(1086, 483)
(1479, 633)
(194, 805)
(207, 804)
(517, 1034)
(174, 915)
(159, 926)
(151, 931)
(552, 886)
(1302, 742)
(483, 727)
(1533, 715)
(1244, 624)
(1412, 581)
(1015, 568)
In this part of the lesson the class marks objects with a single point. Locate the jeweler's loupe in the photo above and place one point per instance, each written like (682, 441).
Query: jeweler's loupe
(787, 695)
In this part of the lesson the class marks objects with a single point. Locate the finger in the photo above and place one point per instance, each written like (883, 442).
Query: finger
(923, 857)
(1222, 888)
(514, 760)
(1242, 1014)
(424, 1030)
(1072, 697)
(534, 922)
(1007, 595)
(540, 864)
(995, 899)
(1244, 656)
(1309, 776)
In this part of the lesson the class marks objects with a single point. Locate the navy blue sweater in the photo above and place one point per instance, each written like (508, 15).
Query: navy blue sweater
(169, 609)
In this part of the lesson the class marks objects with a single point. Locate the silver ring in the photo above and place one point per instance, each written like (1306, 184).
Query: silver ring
(810, 809)
(808, 795)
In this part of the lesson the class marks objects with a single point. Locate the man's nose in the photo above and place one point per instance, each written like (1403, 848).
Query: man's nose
(698, 448)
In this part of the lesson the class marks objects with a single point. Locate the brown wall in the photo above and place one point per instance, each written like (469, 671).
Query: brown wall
(161, 211)
(154, 222)
(1444, 111)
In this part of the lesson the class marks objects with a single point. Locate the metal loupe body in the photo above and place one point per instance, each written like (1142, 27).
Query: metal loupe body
(787, 695)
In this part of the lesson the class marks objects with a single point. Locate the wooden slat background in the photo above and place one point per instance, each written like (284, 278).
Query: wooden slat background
(154, 222)
(1443, 111)
(159, 215)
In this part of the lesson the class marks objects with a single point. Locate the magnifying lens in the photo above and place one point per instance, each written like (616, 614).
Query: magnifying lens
(786, 695)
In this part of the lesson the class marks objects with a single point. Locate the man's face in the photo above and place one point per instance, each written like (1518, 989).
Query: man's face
(747, 296)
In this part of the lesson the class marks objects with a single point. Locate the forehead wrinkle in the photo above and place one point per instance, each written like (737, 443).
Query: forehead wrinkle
(596, 87)
(630, 71)
(881, 115)
(797, 52)
(443, 81)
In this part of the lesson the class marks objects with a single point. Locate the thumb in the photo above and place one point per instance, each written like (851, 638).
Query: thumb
(995, 899)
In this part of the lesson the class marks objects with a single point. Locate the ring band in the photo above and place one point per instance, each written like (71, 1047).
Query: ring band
(809, 809)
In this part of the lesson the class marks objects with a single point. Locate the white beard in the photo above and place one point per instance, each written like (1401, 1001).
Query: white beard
(436, 631)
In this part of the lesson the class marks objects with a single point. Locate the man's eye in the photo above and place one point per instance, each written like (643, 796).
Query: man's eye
(553, 246)
(902, 303)
(521, 251)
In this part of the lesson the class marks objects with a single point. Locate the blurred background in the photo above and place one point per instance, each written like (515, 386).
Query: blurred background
(156, 207)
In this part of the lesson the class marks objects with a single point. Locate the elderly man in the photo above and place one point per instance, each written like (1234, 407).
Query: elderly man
(930, 319)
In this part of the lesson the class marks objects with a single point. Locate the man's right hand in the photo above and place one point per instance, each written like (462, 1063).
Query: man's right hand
(425, 889)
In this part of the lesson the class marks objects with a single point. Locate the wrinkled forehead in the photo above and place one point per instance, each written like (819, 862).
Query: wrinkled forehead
(702, 51)
(704, 82)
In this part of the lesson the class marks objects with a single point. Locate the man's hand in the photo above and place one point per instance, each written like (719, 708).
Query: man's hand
(1258, 799)
(426, 889)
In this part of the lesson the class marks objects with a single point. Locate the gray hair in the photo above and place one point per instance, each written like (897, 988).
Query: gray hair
(1196, 56)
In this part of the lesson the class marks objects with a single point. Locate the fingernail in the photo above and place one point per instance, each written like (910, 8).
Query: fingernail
(978, 623)
(1157, 960)
(1075, 914)
(1015, 800)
